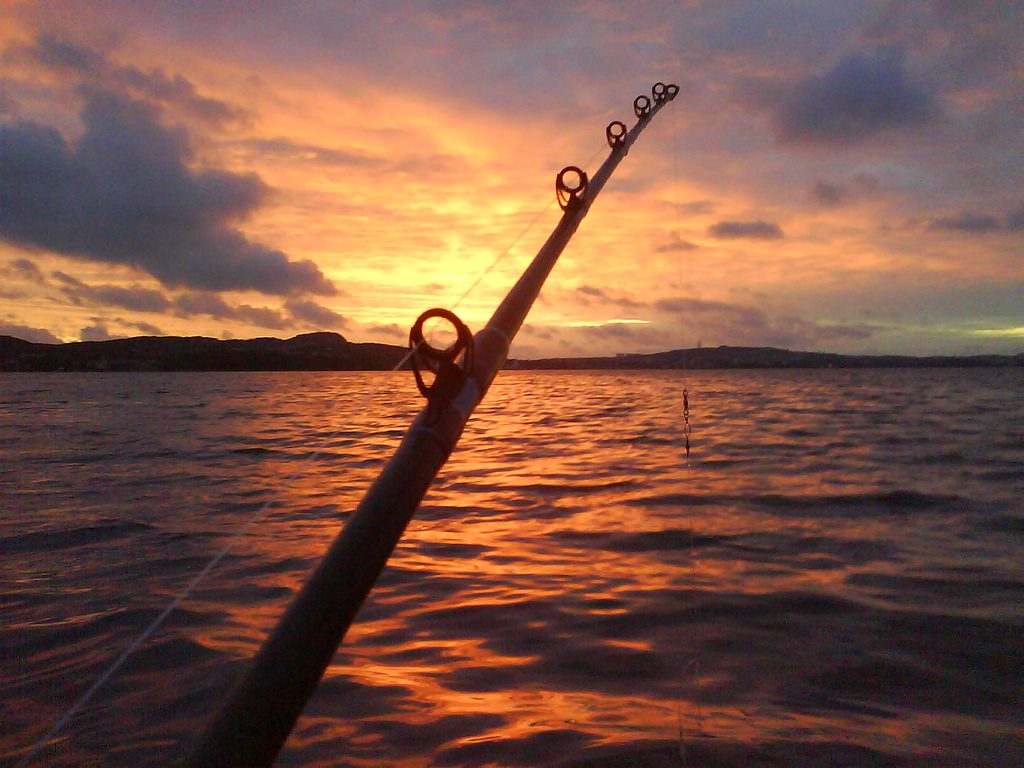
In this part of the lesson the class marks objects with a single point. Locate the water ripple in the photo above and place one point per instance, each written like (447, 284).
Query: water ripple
(832, 576)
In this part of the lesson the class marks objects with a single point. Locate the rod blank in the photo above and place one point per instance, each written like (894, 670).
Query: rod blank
(260, 712)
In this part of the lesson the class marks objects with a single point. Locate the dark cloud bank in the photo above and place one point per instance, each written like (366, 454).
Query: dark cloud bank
(829, 195)
(751, 325)
(741, 324)
(28, 333)
(980, 223)
(750, 230)
(124, 193)
(86, 65)
(296, 313)
(857, 98)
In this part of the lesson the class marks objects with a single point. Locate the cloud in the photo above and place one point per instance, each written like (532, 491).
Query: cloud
(585, 293)
(7, 104)
(799, 331)
(750, 325)
(295, 313)
(590, 290)
(96, 332)
(675, 244)
(303, 310)
(967, 222)
(27, 333)
(390, 330)
(859, 97)
(601, 338)
(88, 65)
(616, 330)
(751, 230)
(696, 207)
(124, 195)
(263, 317)
(135, 298)
(100, 331)
(61, 55)
(690, 306)
(203, 304)
(296, 151)
(23, 269)
(147, 328)
(979, 223)
(315, 135)
(539, 332)
(829, 195)
(214, 306)
(141, 299)
(178, 92)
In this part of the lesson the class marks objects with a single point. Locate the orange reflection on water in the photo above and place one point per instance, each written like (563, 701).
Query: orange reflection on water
(817, 577)
(573, 576)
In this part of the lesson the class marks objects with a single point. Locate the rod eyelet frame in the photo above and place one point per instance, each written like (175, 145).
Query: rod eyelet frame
(615, 133)
(571, 195)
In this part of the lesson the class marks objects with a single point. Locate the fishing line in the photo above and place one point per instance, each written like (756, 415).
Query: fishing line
(686, 438)
(189, 588)
(185, 593)
(517, 238)
(694, 662)
(503, 254)
(675, 172)
(256, 721)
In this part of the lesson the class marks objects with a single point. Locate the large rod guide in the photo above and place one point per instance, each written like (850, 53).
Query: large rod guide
(259, 713)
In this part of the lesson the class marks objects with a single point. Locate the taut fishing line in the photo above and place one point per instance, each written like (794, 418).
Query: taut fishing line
(184, 594)
(516, 240)
(189, 588)
(694, 662)
(256, 720)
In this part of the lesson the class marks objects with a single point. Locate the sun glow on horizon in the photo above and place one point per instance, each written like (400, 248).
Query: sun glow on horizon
(399, 182)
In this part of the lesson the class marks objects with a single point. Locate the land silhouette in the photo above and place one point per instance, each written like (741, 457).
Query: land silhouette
(326, 351)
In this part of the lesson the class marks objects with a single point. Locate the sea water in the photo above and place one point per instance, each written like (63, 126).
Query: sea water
(834, 575)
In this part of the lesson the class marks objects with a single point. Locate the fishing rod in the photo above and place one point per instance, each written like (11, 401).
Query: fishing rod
(260, 712)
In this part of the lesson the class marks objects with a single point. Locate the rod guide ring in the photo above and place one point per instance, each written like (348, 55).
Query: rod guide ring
(448, 376)
(615, 133)
(571, 195)
(641, 106)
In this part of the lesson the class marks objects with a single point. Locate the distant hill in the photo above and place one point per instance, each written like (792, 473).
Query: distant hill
(762, 357)
(333, 352)
(307, 352)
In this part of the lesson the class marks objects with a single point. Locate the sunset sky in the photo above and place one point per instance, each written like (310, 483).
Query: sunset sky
(840, 176)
